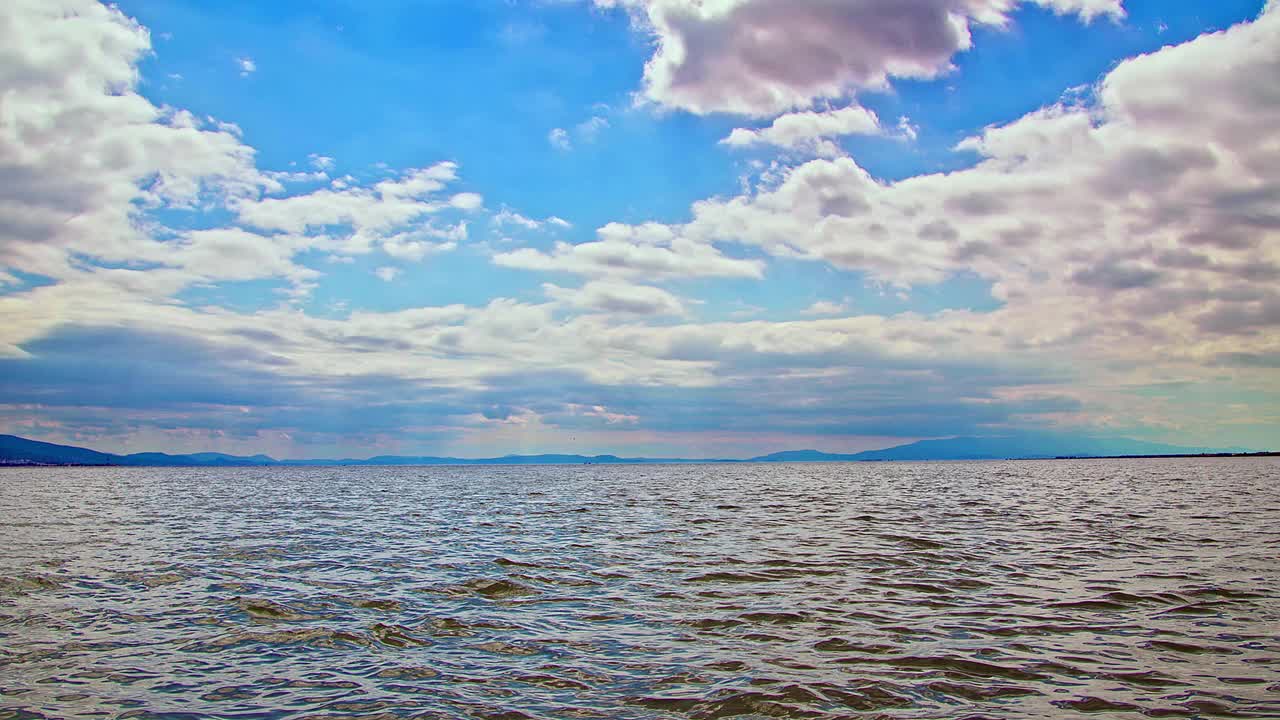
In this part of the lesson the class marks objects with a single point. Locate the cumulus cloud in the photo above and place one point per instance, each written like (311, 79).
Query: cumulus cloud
(809, 130)
(1132, 224)
(617, 298)
(86, 162)
(356, 219)
(467, 201)
(766, 57)
(650, 250)
(414, 245)
(246, 66)
(83, 154)
(235, 254)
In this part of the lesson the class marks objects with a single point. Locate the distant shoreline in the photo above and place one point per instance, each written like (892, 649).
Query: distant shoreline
(24, 452)
(1180, 455)
(492, 463)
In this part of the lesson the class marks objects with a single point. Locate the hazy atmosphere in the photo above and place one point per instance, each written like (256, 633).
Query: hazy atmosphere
(674, 228)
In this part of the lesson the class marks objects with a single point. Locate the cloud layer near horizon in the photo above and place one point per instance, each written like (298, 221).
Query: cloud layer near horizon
(1133, 239)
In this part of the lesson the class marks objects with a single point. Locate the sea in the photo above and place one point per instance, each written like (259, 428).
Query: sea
(1027, 589)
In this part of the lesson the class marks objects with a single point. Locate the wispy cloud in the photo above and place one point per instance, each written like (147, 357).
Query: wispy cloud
(826, 307)
(559, 139)
(320, 162)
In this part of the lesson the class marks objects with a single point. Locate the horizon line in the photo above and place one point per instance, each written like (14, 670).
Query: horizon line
(613, 458)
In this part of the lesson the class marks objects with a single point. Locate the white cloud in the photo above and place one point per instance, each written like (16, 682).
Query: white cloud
(85, 160)
(1147, 224)
(356, 219)
(235, 254)
(589, 130)
(907, 130)
(1087, 9)
(297, 177)
(809, 130)
(603, 413)
(227, 127)
(559, 139)
(826, 307)
(766, 57)
(506, 217)
(83, 154)
(414, 245)
(246, 66)
(617, 298)
(323, 163)
(467, 201)
(585, 132)
(387, 273)
(650, 250)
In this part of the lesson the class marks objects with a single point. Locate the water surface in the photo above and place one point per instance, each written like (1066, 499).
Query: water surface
(933, 590)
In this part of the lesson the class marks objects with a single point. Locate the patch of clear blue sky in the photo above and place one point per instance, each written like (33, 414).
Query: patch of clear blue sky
(793, 286)
(241, 296)
(26, 281)
(413, 82)
(463, 276)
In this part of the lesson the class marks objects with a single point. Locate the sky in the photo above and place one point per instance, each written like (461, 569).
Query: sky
(699, 228)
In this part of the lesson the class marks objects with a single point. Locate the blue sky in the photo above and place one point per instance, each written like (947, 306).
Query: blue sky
(637, 226)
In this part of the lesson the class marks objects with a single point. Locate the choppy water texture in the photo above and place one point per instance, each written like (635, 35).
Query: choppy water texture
(965, 590)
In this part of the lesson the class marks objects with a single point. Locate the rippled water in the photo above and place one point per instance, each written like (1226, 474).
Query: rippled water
(965, 590)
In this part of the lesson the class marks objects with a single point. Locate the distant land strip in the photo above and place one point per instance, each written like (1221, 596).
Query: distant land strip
(1182, 455)
(16, 450)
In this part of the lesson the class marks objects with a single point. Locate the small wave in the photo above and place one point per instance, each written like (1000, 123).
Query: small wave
(262, 609)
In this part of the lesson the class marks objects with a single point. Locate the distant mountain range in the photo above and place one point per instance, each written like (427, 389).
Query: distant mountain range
(999, 447)
(21, 451)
